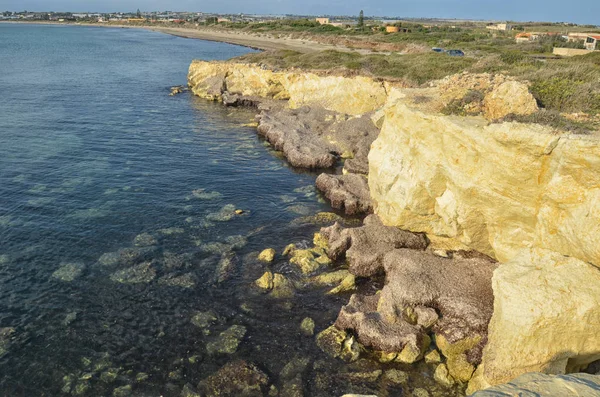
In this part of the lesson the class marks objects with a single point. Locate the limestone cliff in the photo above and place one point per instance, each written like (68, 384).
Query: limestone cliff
(353, 96)
(493, 188)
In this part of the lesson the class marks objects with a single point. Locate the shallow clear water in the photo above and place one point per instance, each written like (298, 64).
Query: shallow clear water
(94, 152)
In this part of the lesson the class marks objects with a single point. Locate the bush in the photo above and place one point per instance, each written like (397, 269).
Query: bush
(512, 57)
(555, 93)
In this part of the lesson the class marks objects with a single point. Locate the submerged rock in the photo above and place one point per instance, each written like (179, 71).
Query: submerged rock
(205, 320)
(228, 341)
(226, 267)
(184, 281)
(366, 246)
(68, 271)
(126, 256)
(307, 326)
(237, 378)
(144, 240)
(202, 194)
(225, 214)
(142, 273)
(348, 192)
(6, 334)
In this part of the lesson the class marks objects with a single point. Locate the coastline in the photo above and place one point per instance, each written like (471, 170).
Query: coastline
(264, 43)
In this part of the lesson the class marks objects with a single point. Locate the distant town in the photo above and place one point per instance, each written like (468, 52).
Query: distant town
(201, 17)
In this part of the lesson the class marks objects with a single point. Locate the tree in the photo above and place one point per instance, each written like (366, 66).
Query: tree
(361, 19)
(139, 13)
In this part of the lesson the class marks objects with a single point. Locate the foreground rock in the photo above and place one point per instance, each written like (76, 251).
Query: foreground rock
(237, 378)
(542, 385)
(366, 246)
(546, 318)
(348, 192)
(423, 293)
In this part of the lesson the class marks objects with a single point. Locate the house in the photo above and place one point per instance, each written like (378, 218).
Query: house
(591, 42)
(323, 21)
(578, 36)
(523, 37)
(219, 20)
(500, 26)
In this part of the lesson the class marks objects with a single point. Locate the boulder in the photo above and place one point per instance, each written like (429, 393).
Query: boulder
(267, 255)
(546, 318)
(348, 192)
(510, 97)
(365, 246)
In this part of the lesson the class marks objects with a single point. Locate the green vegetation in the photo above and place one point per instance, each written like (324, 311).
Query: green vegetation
(414, 69)
(564, 85)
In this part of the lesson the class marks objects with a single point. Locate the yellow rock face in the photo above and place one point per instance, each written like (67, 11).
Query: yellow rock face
(546, 318)
(494, 188)
(354, 96)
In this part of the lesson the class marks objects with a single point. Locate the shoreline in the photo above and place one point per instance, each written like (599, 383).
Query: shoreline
(263, 43)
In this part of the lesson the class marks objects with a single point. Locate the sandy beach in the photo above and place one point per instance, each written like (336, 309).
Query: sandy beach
(260, 42)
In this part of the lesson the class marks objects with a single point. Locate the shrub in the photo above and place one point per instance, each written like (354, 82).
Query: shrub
(512, 57)
(555, 93)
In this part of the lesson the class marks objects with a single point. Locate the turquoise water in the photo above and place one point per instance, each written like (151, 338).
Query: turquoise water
(117, 225)
(93, 153)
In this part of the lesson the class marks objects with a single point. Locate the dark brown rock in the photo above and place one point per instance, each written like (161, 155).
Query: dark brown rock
(313, 137)
(452, 295)
(366, 246)
(297, 133)
(349, 192)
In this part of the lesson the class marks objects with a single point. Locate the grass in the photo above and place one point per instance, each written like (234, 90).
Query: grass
(414, 69)
(564, 85)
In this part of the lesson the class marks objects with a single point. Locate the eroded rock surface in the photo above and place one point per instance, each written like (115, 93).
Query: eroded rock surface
(349, 192)
(313, 137)
(424, 293)
(366, 246)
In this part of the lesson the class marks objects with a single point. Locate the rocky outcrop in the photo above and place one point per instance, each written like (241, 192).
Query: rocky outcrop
(496, 95)
(354, 96)
(546, 318)
(493, 188)
(542, 385)
(348, 192)
(452, 298)
(365, 247)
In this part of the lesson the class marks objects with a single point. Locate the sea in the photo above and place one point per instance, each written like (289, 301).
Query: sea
(130, 222)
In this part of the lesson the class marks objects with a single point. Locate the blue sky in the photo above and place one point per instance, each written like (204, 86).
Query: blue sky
(579, 11)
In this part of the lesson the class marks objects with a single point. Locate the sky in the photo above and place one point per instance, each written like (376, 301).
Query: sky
(578, 11)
